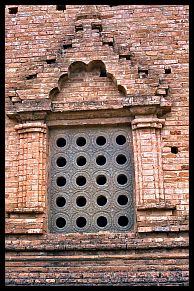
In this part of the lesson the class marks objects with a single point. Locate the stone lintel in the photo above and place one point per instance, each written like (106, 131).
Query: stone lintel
(136, 105)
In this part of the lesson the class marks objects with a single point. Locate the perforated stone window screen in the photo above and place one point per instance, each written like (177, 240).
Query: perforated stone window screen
(91, 185)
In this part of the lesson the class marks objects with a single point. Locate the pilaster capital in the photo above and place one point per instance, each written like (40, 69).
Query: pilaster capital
(147, 122)
(38, 126)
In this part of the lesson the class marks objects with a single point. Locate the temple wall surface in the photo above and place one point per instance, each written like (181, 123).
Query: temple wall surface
(83, 65)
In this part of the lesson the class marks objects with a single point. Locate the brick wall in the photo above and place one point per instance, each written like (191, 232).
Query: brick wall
(89, 64)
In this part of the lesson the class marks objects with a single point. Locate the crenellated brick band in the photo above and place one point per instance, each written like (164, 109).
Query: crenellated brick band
(31, 167)
(148, 162)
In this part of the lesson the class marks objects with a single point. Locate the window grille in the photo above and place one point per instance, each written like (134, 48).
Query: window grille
(91, 183)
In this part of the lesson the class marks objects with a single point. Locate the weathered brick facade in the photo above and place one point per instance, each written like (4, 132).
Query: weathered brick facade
(82, 65)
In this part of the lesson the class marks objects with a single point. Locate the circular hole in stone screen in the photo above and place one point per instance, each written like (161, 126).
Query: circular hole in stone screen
(60, 201)
(61, 142)
(123, 221)
(121, 159)
(122, 199)
(101, 140)
(60, 222)
(101, 221)
(101, 180)
(81, 181)
(101, 200)
(81, 141)
(101, 160)
(122, 179)
(61, 181)
(120, 139)
(81, 221)
(61, 162)
(81, 201)
(81, 161)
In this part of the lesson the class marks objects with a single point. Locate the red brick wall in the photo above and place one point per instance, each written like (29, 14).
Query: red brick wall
(144, 49)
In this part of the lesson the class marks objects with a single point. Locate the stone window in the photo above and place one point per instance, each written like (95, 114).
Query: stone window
(91, 183)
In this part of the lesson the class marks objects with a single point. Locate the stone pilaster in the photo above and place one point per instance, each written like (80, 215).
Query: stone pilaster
(148, 160)
(31, 167)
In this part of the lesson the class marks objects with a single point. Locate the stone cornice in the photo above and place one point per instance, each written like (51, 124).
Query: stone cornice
(136, 105)
(29, 109)
(145, 105)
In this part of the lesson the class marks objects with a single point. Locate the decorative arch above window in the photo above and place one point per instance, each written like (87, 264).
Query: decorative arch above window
(141, 114)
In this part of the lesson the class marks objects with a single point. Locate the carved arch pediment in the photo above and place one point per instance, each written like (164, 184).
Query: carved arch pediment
(96, 71)
(99, 87)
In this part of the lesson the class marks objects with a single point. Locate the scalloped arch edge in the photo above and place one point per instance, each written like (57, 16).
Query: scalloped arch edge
(81, 66)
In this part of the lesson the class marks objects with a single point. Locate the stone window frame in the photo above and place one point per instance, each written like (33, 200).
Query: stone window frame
(36, 117)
